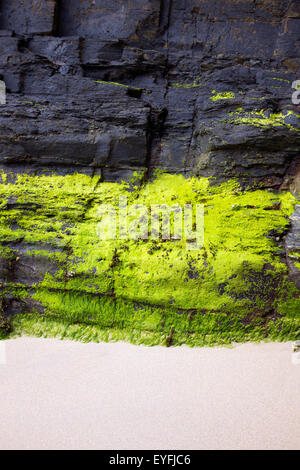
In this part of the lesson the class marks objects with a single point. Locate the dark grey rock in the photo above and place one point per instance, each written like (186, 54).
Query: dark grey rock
(24, 17)
(164, 60)
(292, 244)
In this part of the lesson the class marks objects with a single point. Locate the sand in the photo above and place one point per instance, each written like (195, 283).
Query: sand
(67, 395)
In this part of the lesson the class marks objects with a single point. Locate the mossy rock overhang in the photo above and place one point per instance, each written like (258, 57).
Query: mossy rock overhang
(59, 278)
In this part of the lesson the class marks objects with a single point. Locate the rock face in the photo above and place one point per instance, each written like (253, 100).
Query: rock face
(108, 87)
(64, 277)
(102, 91)
(292, 243)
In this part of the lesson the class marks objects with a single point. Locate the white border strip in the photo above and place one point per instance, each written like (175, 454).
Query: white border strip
(2, 353)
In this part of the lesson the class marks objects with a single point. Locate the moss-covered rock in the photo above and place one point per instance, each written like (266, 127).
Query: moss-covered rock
(74, 284)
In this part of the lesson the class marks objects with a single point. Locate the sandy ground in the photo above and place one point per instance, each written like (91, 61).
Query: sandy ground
(67, 395)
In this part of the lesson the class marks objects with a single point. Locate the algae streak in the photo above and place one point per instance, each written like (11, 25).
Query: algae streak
(59, 279)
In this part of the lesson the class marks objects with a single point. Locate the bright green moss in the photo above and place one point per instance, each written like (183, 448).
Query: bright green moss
(226, 95)
(102, 82)
(262, 119)
(234, 288)
(296, 257)
(281, 79)
(6, 253)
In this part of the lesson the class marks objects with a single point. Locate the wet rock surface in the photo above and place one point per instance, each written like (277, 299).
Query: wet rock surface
(116, 89)
(57, 268)
(114, 86)
(293, 247)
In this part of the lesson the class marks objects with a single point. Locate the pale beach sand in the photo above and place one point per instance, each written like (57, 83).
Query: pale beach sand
(67, 395)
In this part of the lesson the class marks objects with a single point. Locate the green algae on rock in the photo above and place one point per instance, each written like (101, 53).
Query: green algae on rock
(196, 83)
(225, 95)
(59, 278)
(260, 118)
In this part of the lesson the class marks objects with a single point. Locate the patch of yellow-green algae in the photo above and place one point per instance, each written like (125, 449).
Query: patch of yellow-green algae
(102, 82)
(224, 95)
(235, 288)
(260, 118)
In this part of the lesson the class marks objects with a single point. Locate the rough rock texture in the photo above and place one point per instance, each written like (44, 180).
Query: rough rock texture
(233, 286)
(113, 89)
(292, 243)
(58, 57)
